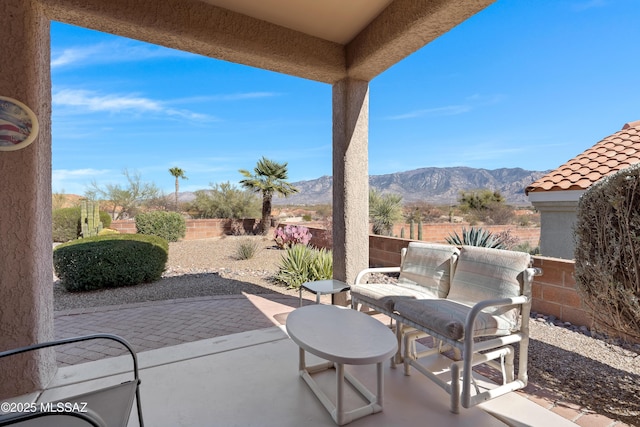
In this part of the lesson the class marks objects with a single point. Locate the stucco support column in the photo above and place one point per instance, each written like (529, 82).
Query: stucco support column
(350, 180)
(26, 294)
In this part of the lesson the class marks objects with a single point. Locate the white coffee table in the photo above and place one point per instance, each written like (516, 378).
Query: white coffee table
(343, 337)
(324, 287)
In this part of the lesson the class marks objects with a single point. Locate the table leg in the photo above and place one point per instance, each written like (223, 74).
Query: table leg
(318, 298)
(380, 383)
(340, 394)
(301, 362)
(300, 296)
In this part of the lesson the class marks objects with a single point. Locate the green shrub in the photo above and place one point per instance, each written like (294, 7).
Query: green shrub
(301, 263)
(66, 223)
(171, 226)
(246, 249)
(110, 261)
(105, 219)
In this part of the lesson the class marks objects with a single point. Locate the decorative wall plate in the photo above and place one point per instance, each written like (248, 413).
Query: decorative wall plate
(18, 124)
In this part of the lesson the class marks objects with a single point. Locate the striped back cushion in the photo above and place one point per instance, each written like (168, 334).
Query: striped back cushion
(426, 267)
(483, 274)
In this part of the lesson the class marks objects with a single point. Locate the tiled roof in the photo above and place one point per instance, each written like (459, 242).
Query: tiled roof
(615, 152)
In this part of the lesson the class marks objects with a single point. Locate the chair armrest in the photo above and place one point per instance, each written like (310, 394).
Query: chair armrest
(375, 270)
(478, 307)
(468, 338)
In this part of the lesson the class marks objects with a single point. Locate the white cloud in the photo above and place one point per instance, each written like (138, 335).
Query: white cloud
(449, 110)
(111, 52)
(112, 103)
(70, 56)
(470, 103)
(74, 181)
(84, 100)
(225, 97)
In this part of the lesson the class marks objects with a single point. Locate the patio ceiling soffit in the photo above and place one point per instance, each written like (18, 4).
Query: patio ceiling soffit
(194, 26)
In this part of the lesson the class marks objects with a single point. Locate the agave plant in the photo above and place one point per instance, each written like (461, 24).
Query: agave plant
(300, 264)
(321, 267)
(476, 237)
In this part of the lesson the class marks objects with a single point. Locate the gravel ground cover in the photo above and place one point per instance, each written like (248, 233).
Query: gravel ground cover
(597, 374)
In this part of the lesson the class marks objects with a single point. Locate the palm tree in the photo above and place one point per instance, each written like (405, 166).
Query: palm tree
(177, 173)
(269, 178)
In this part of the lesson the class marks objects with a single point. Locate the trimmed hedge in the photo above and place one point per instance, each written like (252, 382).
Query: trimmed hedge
(66, 223)
(110, 261)
(171, 226)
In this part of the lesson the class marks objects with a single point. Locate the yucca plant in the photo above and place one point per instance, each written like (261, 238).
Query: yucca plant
(476, 237)
(247, 249)
(301, 263)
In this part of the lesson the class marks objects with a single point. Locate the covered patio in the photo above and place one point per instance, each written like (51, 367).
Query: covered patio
(251, 377)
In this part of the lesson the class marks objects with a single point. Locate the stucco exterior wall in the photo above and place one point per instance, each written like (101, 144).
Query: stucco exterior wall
(556, 228)
(26, 295)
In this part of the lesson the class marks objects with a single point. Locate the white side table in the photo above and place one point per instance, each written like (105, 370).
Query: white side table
(323, 287)
(343, 337)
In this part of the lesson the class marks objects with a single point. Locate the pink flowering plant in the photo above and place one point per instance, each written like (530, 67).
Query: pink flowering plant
(292, 235)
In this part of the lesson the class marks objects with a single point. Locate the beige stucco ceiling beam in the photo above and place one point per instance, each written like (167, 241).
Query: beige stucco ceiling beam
(401, 29)
(210, 31)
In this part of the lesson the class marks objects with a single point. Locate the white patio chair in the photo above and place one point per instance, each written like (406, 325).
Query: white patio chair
(105, 407)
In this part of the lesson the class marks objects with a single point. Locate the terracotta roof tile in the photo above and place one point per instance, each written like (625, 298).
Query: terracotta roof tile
(594, 176)
(556, 178)
(546, 185)
(615, 152)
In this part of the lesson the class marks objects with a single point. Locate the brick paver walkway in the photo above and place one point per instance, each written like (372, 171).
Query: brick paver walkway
(152, 325)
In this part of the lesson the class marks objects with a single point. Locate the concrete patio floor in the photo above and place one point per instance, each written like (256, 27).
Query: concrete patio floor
(245, 373)
(251, 379)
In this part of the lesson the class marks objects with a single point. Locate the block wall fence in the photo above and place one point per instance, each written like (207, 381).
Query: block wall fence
(554, 292)
(196, 228)
(438, 232)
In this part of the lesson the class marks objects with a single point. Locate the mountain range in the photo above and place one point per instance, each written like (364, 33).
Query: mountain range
(431, 185)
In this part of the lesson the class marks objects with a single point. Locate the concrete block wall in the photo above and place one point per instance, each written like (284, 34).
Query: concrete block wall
(196, 228)
(555, 293)
(439, 232)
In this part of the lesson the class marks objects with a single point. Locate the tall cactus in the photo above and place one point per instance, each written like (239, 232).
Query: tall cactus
(412, 229)
(420, 230)
(90, 218)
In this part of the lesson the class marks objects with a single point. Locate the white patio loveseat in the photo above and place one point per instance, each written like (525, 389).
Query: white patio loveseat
(475, 301)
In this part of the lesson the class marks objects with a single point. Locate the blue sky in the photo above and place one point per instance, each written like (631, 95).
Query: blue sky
(525, 84)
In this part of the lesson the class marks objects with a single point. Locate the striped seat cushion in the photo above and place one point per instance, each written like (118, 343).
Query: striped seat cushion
(486, 274)
(447, 318)
(385, 295)
(426, 267)
(425, 273)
